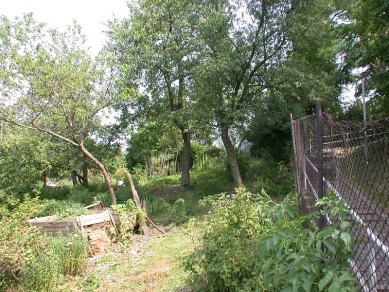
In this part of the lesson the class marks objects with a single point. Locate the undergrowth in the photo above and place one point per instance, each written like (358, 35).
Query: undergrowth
(29, 259)
(251, 243)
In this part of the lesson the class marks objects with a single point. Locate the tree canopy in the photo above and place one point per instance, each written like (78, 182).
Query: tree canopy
(50, 84)
(178, 71)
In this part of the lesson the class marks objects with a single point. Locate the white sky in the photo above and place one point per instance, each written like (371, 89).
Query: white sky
(90, 14)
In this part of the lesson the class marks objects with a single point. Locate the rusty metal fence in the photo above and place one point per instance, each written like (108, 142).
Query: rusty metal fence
(353, 161)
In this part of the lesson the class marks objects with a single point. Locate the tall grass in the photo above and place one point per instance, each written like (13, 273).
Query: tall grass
(50, 264)
(71, 254)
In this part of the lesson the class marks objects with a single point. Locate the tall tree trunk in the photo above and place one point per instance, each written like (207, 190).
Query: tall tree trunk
(185, 163)
(231, 157)
(85, 180)
(103, 171)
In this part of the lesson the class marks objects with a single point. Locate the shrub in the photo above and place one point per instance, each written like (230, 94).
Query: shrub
(253, 244)
(105, 198)
(63, 209)
(179, 211)
(51, 261)
(27, 257)
(127, 213)
(298, 259)
(60, 193)
(123, 193)
(41, 273)
(83, 196)
(275, 178)
(18, 241)
(226, 258)
(154, 205)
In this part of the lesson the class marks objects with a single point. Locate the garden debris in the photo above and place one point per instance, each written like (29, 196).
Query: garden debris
(99, 228)
(50, 226)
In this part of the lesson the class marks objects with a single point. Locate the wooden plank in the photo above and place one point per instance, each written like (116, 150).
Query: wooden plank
(116, 217)
(63, 230)
(98, 205)
(93, 219)
(53, 224)
(43, 219)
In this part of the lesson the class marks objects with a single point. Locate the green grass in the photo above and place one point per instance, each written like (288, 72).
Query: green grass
(153, 264)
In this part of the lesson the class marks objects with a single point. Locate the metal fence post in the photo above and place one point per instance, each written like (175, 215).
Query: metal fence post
(319, 138)
(296, 177)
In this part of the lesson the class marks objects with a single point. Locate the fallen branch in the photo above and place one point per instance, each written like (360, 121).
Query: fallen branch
(139, 205)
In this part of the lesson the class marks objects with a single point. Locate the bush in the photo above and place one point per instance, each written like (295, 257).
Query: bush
(254, 244)
(41, 274)
(29, 258)
(18, 241)
(58, 257)
(275, 178)
(123, 193)
(60, 193)
(178, 211)
(128, 213)
(226, 259)
(63, 209)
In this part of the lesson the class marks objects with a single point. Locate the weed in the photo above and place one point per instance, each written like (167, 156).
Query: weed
(179, 211)
(253, 244)
(41, 274)
(64, 209)
(71, 254)
(91, 283)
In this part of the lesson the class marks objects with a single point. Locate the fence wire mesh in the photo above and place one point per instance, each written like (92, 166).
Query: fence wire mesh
(355, 165)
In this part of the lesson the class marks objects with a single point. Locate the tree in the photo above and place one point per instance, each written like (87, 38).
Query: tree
(51, 85)
(244, 41)
(367, 39)
(159, 39)
(26, 158)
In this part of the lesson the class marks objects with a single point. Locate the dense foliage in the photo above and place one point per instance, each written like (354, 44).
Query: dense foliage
(251, 243)
(35, 261)
(172, 74)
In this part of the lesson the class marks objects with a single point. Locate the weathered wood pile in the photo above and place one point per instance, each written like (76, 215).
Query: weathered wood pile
(98, 228)
(49, 225)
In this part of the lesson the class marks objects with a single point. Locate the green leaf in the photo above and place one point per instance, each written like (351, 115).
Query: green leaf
(347, 239)
(319, 245)
(330, 245)
(326, 280)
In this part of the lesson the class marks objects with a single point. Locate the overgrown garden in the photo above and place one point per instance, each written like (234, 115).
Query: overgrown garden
(193, 99)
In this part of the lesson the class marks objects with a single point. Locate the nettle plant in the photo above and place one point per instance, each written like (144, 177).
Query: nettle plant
(252, 243)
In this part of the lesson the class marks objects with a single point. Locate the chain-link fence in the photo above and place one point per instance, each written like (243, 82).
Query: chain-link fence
(353, 161)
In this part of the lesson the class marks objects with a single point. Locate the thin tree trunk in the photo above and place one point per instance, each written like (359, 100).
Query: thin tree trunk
(185, 163)
(103, 171)
(45, 180)
(85, 180)
(138, 203)
(74, 179)
(231, 157)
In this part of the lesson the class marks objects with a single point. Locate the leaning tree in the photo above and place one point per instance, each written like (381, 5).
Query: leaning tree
(52, 85)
